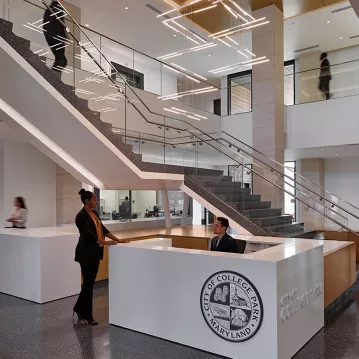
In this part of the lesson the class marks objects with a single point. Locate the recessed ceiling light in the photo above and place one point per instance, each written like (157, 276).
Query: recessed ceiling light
(328, 22)
(126, 8)
(87, 25)
(322, 149)
(174, 35)
(337, 154)
(209, 55)
(340, 38)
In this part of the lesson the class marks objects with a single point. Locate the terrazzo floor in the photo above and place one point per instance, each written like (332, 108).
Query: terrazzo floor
(33, 331)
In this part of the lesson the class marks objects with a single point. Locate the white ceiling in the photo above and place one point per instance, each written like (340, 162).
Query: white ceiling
(312, 29)
(323, 152)
(140, 28)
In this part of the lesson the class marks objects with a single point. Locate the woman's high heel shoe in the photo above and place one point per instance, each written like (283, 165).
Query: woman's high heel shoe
(91, 322)
(79, 316)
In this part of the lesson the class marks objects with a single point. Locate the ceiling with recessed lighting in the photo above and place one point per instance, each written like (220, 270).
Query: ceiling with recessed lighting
(141, 27)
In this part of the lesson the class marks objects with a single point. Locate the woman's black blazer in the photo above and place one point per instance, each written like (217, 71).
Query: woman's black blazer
(88, 251)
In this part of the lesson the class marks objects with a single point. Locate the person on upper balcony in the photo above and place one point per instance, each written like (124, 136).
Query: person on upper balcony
(325, 76)
(55, 34)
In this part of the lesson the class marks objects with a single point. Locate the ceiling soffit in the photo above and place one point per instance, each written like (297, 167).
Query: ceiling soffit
(218, 18)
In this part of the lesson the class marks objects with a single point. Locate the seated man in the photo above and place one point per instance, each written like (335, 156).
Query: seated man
(223, 242)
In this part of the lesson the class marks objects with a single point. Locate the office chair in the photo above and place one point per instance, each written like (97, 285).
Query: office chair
(241, 246)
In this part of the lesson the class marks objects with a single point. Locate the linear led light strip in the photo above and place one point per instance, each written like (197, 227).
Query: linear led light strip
(195, 48)
(179, 72)
(245, 13)
(192, 12)
(236, 43)
(232, 12)
(185, 29)
(179, 8)
(183, 69)
(92, 79)
(85, 92)
(187, 93)
(180, 32)
(226, 31)
(185, 113)
(246, 63)
(111, 96)
(62, 69)
(238, 63)
(242, 29)
(107, 109)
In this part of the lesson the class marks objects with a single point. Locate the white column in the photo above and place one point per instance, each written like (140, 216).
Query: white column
(197, 213)
(166, 207)
(314, 170)
(185, 209)
(268, 98)
(68, 202)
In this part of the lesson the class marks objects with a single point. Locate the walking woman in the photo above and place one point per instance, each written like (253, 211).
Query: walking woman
(89, 252)
(19, 217)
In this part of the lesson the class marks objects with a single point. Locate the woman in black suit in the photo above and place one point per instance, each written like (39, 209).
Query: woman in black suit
(89, 252)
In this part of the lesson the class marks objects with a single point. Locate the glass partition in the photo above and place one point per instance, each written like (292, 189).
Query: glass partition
(110, 83)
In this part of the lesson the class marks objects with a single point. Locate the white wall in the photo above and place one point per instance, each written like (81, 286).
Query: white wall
(323, 123)
(239, 126)
(345, 78)
(342, 178)
(30, 174)
(108, 199)
(142, 199)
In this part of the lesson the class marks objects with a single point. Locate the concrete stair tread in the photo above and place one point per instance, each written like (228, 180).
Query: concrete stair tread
(261, 212)
(275, 226)
(297, 234)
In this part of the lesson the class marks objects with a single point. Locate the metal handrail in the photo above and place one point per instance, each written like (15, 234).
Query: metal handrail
(238, 163)
(223, 202)
(121, 44)
(163, 63)
(296, 174)
(161, 115)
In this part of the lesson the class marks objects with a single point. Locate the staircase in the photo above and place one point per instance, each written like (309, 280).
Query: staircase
(216, 191)
(220, 190)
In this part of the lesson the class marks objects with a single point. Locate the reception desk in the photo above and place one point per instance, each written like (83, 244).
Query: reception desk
(266, 304)
(38, 264)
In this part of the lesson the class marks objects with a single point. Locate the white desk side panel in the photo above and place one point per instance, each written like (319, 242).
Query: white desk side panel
(60, 274)
(20, 273)
(303, 272)
(158, 293)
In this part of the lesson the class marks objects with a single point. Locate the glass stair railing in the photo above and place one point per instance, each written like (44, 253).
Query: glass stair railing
(147, 136)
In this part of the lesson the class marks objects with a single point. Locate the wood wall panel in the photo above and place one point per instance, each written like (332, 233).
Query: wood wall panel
(343, 236)
(339, 272)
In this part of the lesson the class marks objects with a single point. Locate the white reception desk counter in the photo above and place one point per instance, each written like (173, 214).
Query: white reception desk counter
(38, 264)
(266, 304)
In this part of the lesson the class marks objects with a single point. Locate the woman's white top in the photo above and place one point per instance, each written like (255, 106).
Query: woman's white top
(20, 215)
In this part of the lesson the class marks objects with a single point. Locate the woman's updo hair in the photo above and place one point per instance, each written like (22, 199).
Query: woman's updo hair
(85, 195)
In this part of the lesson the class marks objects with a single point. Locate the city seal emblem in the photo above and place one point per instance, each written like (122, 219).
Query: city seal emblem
(231, 306)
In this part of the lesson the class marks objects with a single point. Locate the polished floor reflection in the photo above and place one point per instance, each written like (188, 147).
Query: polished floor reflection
(29, 330)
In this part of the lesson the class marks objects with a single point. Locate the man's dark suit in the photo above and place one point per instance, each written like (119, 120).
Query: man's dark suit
(226, 244)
